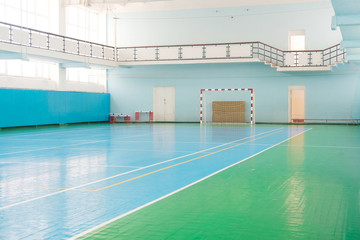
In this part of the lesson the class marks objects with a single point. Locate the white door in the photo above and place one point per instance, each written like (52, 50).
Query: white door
(297, 104)
(164, 104)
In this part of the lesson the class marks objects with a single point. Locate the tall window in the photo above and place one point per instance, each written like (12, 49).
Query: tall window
(85, 24)
(37, 14)
(95, 76)
(2, 67)
(297, 40)
(30, 69)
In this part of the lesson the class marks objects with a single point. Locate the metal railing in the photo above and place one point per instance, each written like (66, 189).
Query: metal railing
(23, 36)
(239, 50)
(268, 54)
(29, 37)
(314, 58)
(185, 52)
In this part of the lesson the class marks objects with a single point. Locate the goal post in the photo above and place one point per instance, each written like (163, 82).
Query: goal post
(227, 105)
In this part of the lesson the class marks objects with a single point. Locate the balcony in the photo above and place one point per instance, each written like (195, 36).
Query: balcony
(309, 60)
(21, 40)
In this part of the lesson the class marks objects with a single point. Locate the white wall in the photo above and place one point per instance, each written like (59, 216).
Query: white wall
(329, 95)
(269, 24)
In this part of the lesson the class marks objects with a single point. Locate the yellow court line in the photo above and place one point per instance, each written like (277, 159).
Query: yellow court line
(162, 169)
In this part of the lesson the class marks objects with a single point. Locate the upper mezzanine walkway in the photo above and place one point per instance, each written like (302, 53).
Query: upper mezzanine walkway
(18, 42)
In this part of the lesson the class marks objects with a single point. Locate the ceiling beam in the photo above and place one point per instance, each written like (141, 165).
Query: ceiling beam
(345, 20)
(13, 56)
(352, 58)
(75, 65)
(350, 44)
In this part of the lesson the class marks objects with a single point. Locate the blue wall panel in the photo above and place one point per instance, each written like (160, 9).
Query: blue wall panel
(20, 107)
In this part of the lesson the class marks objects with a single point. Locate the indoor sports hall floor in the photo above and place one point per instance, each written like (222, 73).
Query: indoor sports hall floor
(180, 181)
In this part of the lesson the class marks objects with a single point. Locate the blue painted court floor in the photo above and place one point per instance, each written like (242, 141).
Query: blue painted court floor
(59, 182)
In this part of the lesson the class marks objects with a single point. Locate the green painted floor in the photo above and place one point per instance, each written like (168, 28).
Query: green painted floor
(306, 188)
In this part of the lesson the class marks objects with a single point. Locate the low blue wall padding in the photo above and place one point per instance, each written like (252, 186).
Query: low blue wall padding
(20, 107)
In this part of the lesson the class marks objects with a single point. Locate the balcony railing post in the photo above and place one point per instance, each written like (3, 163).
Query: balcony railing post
(30, 38)
(157, 53)
(135, 54)
(252, 50)
(337, 52)
(78, 47)
(204, 52)
(180, 53)
(103, 52)
(48, 41)
(10, 34)
(310, 59)
(91, 50)
(63, 44)
(228, 51)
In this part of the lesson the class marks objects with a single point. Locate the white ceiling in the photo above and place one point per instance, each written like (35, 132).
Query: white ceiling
(163, 5)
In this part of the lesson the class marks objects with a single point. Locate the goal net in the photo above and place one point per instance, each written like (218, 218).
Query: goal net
(227, 105)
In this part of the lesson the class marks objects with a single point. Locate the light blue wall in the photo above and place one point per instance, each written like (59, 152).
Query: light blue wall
(328, 94)
(37, 107)
(269, 24)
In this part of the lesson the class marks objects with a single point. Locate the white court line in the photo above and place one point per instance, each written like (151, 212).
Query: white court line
(197, 142)
(308, 146)
(172, 193)
(59, 130)
(135, 170)
(77, 144)
(40, 149)
(319, 146)
(128, 149)
(70, 165)
(69, 145)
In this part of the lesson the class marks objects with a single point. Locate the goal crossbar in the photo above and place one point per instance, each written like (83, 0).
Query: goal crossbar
(252, 107)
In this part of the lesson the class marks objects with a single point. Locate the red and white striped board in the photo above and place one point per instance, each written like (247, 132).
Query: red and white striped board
(229, 89)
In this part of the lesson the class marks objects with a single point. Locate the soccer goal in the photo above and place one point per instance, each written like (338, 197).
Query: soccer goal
(236, 105)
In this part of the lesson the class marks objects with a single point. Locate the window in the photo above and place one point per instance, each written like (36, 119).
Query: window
(2, 66)
(96, 76)
(30, 69)
(37, 14)
(84, 23)
(297, 40)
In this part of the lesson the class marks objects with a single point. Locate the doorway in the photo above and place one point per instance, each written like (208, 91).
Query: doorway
(164, 104)
(297, 104)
